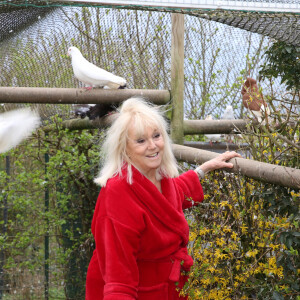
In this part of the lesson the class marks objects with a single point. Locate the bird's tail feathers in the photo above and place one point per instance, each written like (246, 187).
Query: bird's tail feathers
(122, 87)
(115, 85)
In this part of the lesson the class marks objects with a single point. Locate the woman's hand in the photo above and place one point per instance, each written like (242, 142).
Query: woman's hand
(219, 162)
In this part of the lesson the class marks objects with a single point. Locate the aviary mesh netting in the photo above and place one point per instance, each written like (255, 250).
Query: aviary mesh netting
(221, 49)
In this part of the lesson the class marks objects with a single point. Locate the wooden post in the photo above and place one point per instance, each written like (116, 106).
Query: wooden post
(177, 77)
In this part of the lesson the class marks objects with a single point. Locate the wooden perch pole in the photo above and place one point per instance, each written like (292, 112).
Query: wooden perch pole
(224, 126)
(284, 176)
(213, 126)
(221, 146)
(77, 96)
(80, 124)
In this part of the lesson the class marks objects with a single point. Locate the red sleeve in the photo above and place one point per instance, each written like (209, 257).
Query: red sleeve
(189, 184)
(117, 232)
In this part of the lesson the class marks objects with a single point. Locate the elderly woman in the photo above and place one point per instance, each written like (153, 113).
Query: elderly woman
(139, 227)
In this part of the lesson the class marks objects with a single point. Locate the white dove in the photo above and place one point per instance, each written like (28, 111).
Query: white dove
(92, 75)
(15, 126)
(228, 113)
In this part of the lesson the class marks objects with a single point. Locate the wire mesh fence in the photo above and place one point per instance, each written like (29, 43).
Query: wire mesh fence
(135, 45)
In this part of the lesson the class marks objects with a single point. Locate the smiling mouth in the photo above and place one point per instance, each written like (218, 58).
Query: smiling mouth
(153, 155)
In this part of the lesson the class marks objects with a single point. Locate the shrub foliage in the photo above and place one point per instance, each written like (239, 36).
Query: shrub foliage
(68, 180)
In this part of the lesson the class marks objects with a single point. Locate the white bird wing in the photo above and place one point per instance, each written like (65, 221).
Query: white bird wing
(16, 126)
(92, 74)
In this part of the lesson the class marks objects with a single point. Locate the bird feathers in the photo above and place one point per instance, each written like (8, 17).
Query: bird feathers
(15, 126)
(92, 75)
(253, 100)
(252, 97)
(94, 111)
(228, 113)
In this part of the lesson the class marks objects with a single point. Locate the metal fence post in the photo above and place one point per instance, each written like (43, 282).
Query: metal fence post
(46, 241)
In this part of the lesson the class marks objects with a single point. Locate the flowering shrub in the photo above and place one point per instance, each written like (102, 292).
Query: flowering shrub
(244, 242)
(245, 236)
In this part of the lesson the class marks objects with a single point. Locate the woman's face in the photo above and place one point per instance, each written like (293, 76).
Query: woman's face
(146, 150)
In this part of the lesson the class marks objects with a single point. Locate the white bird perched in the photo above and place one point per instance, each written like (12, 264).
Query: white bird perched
(15, 126)
(92, 75)
(228, 113)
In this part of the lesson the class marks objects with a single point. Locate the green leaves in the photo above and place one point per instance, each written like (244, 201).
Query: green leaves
(291, 239)
(283, 60)
(73, 163)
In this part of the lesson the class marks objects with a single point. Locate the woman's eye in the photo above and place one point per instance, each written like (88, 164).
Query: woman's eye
(157, 135)
(140, 141)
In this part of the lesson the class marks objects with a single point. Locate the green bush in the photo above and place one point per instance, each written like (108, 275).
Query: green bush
(67, 179)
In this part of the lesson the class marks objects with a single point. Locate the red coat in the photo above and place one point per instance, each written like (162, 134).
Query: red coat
(141, 238)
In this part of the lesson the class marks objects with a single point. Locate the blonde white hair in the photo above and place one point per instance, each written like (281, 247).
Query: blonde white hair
(142, 114)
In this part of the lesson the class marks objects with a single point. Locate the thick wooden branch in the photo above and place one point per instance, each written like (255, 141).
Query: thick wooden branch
(216, 147)
(284, 176)
(77, 96)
